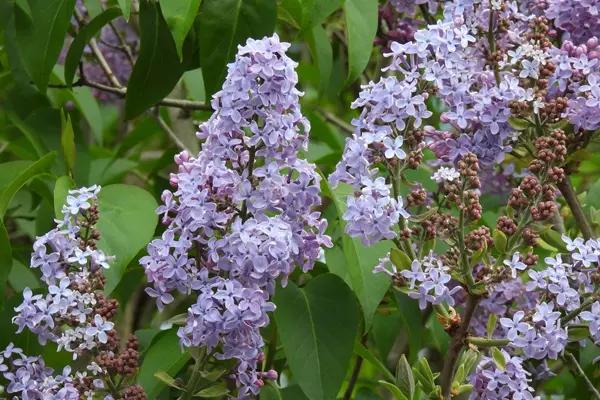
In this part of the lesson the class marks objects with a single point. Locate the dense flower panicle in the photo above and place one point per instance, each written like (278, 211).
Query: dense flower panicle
(69, 313)
(28, 378)
(491, 382)
(542, 337)
(243, 213)
(579, 19)
(229, 315)
(427, 280)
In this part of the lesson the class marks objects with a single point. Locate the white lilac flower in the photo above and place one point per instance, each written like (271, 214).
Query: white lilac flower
(445, 174)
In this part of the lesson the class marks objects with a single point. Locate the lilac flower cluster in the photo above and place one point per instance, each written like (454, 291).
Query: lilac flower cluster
(427, 280)
(28, 377)
(243, 212)
(578, 19)
(510, 381)
(71, 268)
(543, 338)
(502, 300)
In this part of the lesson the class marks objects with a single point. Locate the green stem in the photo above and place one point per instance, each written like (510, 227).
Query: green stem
(190, 388)
(456, 345)
(485, 342)
(396, 175)
(568, 192)
(576, 368)
(584, 306)
(492, 43)
(466, 270)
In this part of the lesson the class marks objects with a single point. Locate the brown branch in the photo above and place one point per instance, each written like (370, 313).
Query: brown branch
(122, 92)
(355, 373)
(456, 345)
(99, 56)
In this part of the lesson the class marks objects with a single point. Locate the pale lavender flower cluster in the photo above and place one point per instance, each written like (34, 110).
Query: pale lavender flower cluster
(65, 312)
(28, 378)
(501, 300)
(427, 280)
(494, 382)
(244, 211)
(542, 337)
(578, 19)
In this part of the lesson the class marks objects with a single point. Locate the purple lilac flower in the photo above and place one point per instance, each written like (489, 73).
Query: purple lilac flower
(243, 213)
(542, 337)
(428, 280)
(26, 377)
(492, 382)
(65, 313)
(579, 20)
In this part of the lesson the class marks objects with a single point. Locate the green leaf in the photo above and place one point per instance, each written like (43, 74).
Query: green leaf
(13, 176)
(491, 324)
(164, 354)
(36, 168)
(127, 223)
(404, 377)
(167, 379)
(321, 9)
(67, 141)
(180, 15)
(361, 27)
(500, 240)
(578, 333)
(21, 277)
(366, 354)
(309, 13)
(40, 36)
(125, 7)
(82, 39)
(217, 390)
(394, 390)
(354, 261)
(518, 124)
(223, 25)
(400, 259)
(498, 358)
(424, 376)
(5, 260)
(270, 392)
(320, 49)
(61, 189)
(317, 326)
(158, 68)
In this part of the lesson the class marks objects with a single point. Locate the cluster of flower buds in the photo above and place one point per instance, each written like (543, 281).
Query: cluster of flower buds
(243, 213)
(73, 312)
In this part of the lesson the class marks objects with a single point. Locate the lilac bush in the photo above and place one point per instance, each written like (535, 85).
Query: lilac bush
(506, 88)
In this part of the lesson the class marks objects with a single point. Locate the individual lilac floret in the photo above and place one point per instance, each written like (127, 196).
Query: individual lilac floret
(68, 313)
(428, 280)
(26, 377)
(593, 318)
(492, 382)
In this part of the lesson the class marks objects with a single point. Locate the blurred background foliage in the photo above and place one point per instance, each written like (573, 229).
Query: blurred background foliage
(107, 92)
